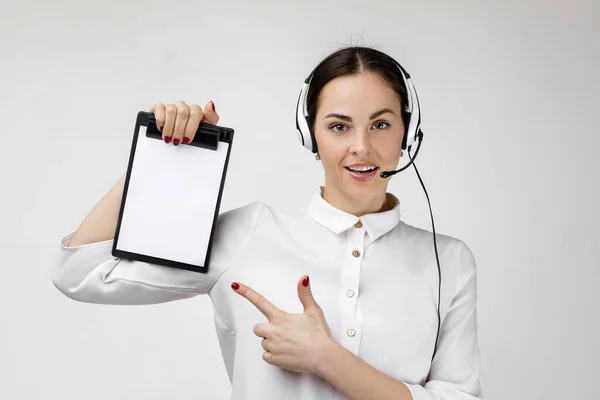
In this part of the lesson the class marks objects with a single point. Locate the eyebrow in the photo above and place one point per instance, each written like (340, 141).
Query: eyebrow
(349, 119)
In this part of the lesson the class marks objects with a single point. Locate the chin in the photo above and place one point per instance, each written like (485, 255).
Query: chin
(367, 189)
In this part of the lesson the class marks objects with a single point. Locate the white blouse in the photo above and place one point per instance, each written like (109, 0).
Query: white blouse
(375, 277)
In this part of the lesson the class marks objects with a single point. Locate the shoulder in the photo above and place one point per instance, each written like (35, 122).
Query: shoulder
(237, 224)
(250, 210)
(450, 248)
(270, 214)
(234, 228)
(277, 223)
(256, 213)
(423, 237)
(242, 218)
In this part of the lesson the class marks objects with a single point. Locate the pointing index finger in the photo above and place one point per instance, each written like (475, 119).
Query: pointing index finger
(258, 300)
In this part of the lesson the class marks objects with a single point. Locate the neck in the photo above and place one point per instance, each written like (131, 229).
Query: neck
(354, 206)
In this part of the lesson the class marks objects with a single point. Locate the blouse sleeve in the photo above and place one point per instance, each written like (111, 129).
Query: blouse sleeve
(89, 273)
(456, 367)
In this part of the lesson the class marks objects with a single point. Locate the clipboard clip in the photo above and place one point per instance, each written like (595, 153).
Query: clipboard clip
(207, 136)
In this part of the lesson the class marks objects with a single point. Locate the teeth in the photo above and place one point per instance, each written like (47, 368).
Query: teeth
(362, 168)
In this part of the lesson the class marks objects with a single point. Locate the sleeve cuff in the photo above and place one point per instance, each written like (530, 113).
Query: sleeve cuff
(418, 392)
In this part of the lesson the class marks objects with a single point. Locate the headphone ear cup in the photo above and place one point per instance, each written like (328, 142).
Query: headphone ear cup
(302, 121)
(406, 122)
(309, 122)
(414, 118)
(409, 139)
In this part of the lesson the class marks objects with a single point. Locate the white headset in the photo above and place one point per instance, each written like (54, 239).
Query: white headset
(412, 131)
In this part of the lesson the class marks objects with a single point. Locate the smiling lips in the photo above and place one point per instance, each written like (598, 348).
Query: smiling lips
(361, 165)
(362, 176)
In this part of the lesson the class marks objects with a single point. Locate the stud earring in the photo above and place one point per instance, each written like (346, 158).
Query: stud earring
(317, 157)
(401, 153)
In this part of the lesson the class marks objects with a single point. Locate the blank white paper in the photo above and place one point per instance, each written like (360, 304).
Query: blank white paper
(171, 200)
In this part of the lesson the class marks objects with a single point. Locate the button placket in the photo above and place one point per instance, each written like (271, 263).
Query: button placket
(350, 277)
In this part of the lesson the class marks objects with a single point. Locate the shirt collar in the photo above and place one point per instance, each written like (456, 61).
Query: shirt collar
(337, 221)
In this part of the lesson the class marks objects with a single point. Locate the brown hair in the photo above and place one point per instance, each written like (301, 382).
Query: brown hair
(354, 60)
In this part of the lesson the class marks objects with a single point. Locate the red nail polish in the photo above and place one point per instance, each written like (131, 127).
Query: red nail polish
(305, 282)
(167, 139)
(213, 106)
(186, 140)
(159, 128)
(235, 286)
(176, 142)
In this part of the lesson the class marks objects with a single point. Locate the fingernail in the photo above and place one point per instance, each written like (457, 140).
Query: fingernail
(159, 128)
(167, 139)
(305, 282)
(186, 140)
(213, 106)
(235, 286)
(176, 142)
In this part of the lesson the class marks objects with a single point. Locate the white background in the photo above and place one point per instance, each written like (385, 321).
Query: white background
(510, 96)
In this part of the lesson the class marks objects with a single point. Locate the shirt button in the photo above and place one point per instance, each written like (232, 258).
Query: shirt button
(356, 253)
(358, 224)
(351, 332)
(350, 293)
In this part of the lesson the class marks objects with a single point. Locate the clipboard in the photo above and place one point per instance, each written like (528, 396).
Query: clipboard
(172, 196)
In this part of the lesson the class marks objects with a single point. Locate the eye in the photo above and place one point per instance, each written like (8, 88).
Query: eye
(335, 125)
(383, 122)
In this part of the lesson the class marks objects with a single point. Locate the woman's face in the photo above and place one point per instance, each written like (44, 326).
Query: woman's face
(351, 128)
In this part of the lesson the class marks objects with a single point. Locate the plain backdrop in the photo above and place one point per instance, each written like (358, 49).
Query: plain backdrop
(510, 96)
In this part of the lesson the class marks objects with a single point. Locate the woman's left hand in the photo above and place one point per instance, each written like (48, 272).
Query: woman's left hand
(296, 342)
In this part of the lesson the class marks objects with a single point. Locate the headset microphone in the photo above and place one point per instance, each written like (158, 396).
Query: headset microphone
(385, 174)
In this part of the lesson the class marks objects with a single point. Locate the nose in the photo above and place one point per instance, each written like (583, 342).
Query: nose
(361, 144)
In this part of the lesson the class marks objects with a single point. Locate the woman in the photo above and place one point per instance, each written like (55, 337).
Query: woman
(334, 300)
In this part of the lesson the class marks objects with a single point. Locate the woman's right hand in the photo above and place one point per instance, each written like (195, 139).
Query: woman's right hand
(179, 122)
